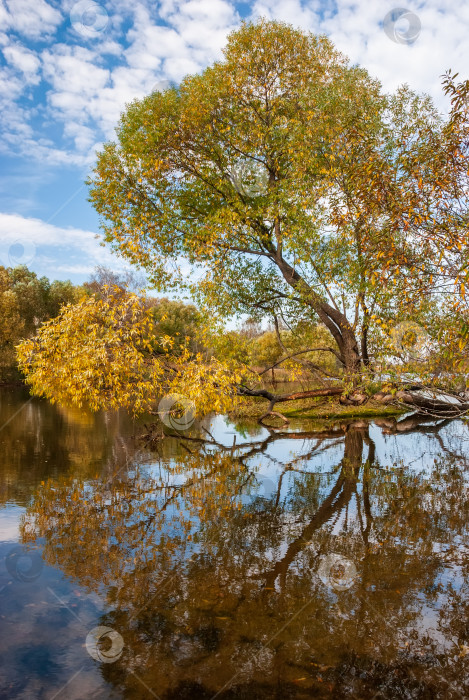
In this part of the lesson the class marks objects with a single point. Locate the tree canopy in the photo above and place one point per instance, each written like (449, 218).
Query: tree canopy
(282, 182)
(291, 183)
(26, 300)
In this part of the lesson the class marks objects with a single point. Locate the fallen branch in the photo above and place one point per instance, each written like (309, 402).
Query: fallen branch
(430, 402)
(281, 398)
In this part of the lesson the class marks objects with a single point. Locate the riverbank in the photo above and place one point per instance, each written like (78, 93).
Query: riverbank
(322, 407)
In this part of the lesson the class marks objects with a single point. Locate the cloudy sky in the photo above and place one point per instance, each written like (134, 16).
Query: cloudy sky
(68, 69)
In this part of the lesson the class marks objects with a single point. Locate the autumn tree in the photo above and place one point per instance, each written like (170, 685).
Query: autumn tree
(104, 277)
(420, 191)
(248, 171)
(105, 352)
(181, 321)
(172, 317)
(11, 324)
(282, 182)
(26, 301)
(265, 351)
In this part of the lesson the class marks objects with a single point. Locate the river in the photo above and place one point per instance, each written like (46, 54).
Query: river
(317, 560)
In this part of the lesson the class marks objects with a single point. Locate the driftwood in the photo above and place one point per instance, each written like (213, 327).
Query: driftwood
(280, 398)
(430, 402)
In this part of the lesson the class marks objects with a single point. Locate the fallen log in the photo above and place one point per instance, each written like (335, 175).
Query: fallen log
(429, 402)
(281, 398)
(426, 401)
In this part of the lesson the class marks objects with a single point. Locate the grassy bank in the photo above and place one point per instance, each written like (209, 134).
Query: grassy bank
(325, 408)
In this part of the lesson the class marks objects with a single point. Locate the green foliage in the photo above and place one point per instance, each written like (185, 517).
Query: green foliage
(182, 322)
(265, 350)
(25, 302)
(233, 345)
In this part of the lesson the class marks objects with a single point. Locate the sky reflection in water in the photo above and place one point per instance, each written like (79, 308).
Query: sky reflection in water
(314, 562)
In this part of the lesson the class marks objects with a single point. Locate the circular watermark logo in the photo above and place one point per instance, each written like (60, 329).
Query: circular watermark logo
(21, 252)
(402, 26)
(337, 572)
(250, 179)
(161, 86)
(177, 411)
(410, 340)
(104, 644)
(264, 488)
(88, 18)
(24, 564)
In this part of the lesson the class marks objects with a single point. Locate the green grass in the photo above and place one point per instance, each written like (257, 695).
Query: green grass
(254, 407)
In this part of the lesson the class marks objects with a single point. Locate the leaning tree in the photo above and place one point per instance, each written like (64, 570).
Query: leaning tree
(237, 173)
(281, 181)
(275, 175)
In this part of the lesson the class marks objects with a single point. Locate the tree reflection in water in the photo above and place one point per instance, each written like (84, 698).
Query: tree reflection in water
(217, 566)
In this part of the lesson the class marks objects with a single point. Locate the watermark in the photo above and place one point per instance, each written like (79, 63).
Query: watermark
(104, 644)
(21, 252)
(250, 179)
(264, 488)
(410, 340)
(24, 564)
(337, 572)
(88, 18)
(161, 86)
(402, 26)
(177, 411)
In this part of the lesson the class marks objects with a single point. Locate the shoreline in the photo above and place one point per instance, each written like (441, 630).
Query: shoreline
(330, 408)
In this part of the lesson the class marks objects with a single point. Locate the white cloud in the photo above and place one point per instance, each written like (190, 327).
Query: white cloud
(9, 523)
(202, 25)
(91, 79)
(73, 70)
(83, 136)
(54, 251)
(23, 60)
(34, 20)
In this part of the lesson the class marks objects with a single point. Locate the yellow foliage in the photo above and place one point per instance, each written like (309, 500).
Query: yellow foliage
(99, 353)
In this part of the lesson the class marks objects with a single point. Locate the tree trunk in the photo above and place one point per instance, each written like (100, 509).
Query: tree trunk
(365, 356)
(334, 320)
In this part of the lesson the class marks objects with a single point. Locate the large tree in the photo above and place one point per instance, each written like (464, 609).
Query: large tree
(290, 186)
(277, 172)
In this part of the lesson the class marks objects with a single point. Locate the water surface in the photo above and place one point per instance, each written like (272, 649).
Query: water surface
(236, 562)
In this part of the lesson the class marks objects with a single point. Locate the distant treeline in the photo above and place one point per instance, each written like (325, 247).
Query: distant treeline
(27, 301)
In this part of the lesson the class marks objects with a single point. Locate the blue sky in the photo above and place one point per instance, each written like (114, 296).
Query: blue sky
(67, 70)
